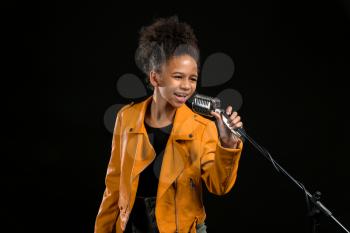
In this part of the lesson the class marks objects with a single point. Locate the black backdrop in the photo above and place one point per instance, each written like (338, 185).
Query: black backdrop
(291, 65)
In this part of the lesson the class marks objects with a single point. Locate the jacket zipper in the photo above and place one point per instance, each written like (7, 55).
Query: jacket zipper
(176, 215)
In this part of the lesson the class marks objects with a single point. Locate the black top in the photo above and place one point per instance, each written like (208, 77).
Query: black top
(148, 182)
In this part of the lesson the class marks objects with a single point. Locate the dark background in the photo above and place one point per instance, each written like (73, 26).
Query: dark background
(63, 62)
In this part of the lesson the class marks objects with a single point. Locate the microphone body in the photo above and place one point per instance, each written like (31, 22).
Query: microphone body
(203, 105)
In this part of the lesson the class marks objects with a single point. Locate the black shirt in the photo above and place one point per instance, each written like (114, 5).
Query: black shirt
(148, 182)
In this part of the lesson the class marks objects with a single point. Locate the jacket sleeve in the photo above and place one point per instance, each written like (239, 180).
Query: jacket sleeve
(219, 165)
(109, 211)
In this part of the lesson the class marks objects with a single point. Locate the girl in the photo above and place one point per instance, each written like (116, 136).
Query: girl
(161, 149)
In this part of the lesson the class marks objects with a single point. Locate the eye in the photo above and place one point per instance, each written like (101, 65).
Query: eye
(194, 79)
(177, 77)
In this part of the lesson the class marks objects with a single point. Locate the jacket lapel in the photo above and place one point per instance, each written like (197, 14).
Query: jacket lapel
(174, 155)
(139, 148)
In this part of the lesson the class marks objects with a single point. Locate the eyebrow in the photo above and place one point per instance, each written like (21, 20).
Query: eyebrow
(177, 72)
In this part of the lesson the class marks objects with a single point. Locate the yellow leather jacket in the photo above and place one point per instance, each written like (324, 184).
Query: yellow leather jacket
(193, 153)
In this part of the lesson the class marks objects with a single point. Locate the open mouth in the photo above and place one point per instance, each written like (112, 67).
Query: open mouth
(181, 97)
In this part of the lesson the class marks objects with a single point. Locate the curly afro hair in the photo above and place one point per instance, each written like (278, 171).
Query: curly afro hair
(163, 39)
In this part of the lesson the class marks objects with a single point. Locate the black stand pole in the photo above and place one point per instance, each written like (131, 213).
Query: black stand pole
(313, 212)
(316, 205)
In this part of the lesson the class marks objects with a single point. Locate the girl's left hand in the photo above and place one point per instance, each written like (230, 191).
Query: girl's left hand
(227, 138)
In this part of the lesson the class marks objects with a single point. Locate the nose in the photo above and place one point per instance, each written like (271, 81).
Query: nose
(185, 84)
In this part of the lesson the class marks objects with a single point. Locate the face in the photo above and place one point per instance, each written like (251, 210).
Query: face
(177, 80)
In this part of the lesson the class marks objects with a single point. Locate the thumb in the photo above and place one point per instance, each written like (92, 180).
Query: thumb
(216, 115)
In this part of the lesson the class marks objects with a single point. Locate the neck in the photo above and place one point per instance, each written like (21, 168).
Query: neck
(159, 112)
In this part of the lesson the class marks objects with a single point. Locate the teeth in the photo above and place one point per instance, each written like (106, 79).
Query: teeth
(181, 95)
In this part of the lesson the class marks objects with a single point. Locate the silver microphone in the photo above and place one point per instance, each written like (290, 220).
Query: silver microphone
(203, 105)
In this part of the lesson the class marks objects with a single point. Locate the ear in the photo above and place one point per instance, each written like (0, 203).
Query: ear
(154, 78)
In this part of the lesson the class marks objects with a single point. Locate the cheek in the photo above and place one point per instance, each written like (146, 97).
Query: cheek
(194, 86)
(166, 92)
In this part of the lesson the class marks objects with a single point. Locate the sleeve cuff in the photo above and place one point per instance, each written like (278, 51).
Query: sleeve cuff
(230, 150)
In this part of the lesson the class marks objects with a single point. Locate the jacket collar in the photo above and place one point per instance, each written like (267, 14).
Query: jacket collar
(183, 126)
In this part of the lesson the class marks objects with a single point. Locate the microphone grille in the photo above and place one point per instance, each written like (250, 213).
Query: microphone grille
(205, 104)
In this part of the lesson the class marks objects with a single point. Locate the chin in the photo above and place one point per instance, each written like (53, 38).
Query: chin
(176, 104)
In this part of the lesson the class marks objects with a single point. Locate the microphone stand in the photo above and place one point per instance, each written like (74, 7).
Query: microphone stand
(317, 207)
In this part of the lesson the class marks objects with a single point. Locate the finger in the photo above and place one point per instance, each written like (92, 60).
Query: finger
(216, 115)
(239, 125)
(229, 110)
(236, 120)
(233, 115)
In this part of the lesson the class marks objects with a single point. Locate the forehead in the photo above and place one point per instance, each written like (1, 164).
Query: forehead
(183, 63)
